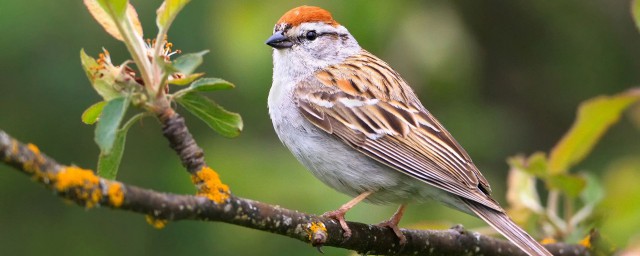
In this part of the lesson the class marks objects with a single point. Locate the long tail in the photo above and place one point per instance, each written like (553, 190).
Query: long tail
(503, 224)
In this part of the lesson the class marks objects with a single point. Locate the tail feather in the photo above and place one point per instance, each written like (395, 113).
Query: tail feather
(503, 224)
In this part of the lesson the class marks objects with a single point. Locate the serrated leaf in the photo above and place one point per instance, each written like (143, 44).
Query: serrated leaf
(635, 12)
(106, 130)
(168, 11)
(187, 63)
(226, 123)
(107, 12)
(572, 185)
(210, 84)
(108, 164)
(92, 113)
(186, 80)
(89, 64)
(594, 117)
(206, 85)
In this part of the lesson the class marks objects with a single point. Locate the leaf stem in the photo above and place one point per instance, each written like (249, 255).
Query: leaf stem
(552, 211)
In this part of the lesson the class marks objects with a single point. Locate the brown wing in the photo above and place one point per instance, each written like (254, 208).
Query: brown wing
(354, 102)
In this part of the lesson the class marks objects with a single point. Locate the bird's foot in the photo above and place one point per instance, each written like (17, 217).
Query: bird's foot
(393, 222)
(339, 216)
(396, 230)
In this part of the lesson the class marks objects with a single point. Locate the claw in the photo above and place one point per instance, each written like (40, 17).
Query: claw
(392, 223)
(339, 214)
(320, 249)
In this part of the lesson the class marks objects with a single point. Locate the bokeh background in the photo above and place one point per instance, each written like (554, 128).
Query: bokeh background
(505, 77)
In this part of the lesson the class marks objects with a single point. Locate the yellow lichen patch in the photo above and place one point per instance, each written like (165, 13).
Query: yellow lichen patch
(586, 242)
(33, 148)
(115, 193)
(548, 240)
(30, 165)
(156, 223)
(314, 228)
(84, 183)
(36, 152)
(210, 185)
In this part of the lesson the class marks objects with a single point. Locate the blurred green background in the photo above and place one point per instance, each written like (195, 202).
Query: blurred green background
(505, 77)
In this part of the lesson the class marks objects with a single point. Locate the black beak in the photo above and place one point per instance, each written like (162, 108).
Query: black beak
(279, 41)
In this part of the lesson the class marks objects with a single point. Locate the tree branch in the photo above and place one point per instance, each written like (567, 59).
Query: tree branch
(86, 189)
(181, 140)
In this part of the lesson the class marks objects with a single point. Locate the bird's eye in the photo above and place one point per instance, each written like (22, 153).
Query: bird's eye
(311, 35)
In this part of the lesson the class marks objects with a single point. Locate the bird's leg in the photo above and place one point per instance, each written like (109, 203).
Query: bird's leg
(339, 214)
(393, 224)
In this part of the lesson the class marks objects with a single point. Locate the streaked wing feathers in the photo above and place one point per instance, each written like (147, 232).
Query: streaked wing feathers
(354, 101)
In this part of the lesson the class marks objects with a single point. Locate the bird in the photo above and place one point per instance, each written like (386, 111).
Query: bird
(357, 125)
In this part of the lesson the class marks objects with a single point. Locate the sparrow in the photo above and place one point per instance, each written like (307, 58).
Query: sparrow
(354, 122)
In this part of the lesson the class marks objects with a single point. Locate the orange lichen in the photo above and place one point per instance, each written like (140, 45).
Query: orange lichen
(315, 228)
(302, 14)
(30, 165)
(115, 193)
(36, 152)
(156, 223)
(548, 240)
(84, 183)
(586, 241)
(33, 148)
(210, 185)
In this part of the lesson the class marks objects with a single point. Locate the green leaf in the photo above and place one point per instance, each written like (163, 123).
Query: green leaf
(168, 11)
(102, 84)
(91, 115)
(206, 85)
(115, 8)
(188, 63)
(517, 162)
(635, 11)
(593, 193)
(621, 206)
(594, 117)
(104, 87)
(110, 120)
(572, 185)
(186, 80)
(226, 123)
(89, 64)
(211, 84)
(535, 165)
(108, 163)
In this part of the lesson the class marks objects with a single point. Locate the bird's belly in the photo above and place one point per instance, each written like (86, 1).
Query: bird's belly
(344, 168)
